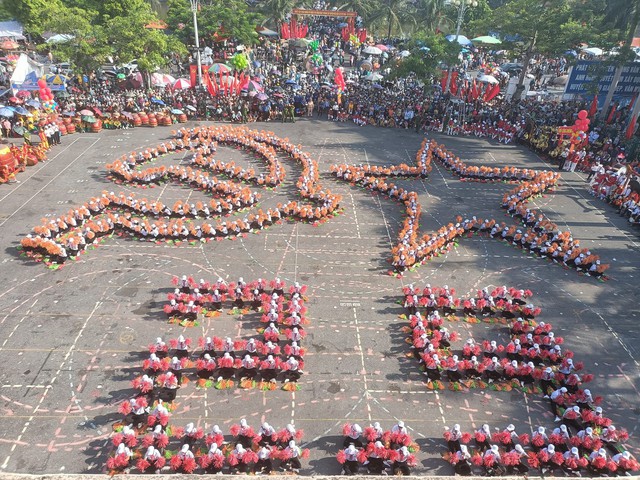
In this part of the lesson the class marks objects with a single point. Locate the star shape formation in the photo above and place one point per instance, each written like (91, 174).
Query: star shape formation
(535, 233)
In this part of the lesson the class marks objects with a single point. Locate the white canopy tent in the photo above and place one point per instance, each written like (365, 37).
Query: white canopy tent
(12, 29)
(26, 69)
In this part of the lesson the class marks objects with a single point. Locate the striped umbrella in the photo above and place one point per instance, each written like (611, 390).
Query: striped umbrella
(181, 84)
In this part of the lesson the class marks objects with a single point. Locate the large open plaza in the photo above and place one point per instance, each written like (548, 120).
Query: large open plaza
(75, 337)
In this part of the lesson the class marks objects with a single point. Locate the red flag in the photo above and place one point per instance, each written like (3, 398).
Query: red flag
(207, 81)
(293, 26)
(443, 80)
(474, 90)
(496, 90)
(613, 111)
(594, 106)
(491, 92)
(284, 31)
(222, 82)
(453, 87)
(631, 128)
(216, 88)
(464, 89)
(338, 79)
(193, 72)
(485, 92)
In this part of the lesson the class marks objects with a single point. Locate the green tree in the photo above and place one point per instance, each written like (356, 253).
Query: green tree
(88, 49)
(427, 53)
(111, 8)
(548, 26)
(472, 14)
(391, 16)
(584, 24)
(429, 15)
(34, 14)
(479, 12)
(235, 20)
(123, 8)
(545, 26)
(276, 11)
(5, 14)
(180, 20)
(159, 7)
(216, 16)
(625, 16)
(364, 8)
(131, 40)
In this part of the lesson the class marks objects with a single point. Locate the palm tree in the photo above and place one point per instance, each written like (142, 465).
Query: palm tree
(393, 13)
(429, 14)
(624, 15)
(159, 7)
(276, 11)
(363, 7)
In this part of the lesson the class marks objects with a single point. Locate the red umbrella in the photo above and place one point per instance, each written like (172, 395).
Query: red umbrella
(181, 84)
(252, 85)
(97, 110)
(15, 100)
(9, 45)
(86, 112)
(23, 94)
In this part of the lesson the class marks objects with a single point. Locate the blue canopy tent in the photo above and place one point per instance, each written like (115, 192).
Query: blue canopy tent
(462, 40)
(30, 83)
(56, 83)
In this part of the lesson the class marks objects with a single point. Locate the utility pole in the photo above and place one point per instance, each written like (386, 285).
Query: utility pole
(194, 9)
(462, 6)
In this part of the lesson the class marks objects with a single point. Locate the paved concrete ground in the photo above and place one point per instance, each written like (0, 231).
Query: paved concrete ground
(74, 338)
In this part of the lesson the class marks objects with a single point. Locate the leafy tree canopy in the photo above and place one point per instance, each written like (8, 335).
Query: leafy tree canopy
(34, 14)
(5, 14)
(552, 26)
(88, 48)
(216, 18)
(427, 53)
(131, 40)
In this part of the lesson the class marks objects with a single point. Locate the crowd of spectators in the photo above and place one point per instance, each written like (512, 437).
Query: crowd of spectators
(290, 80)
